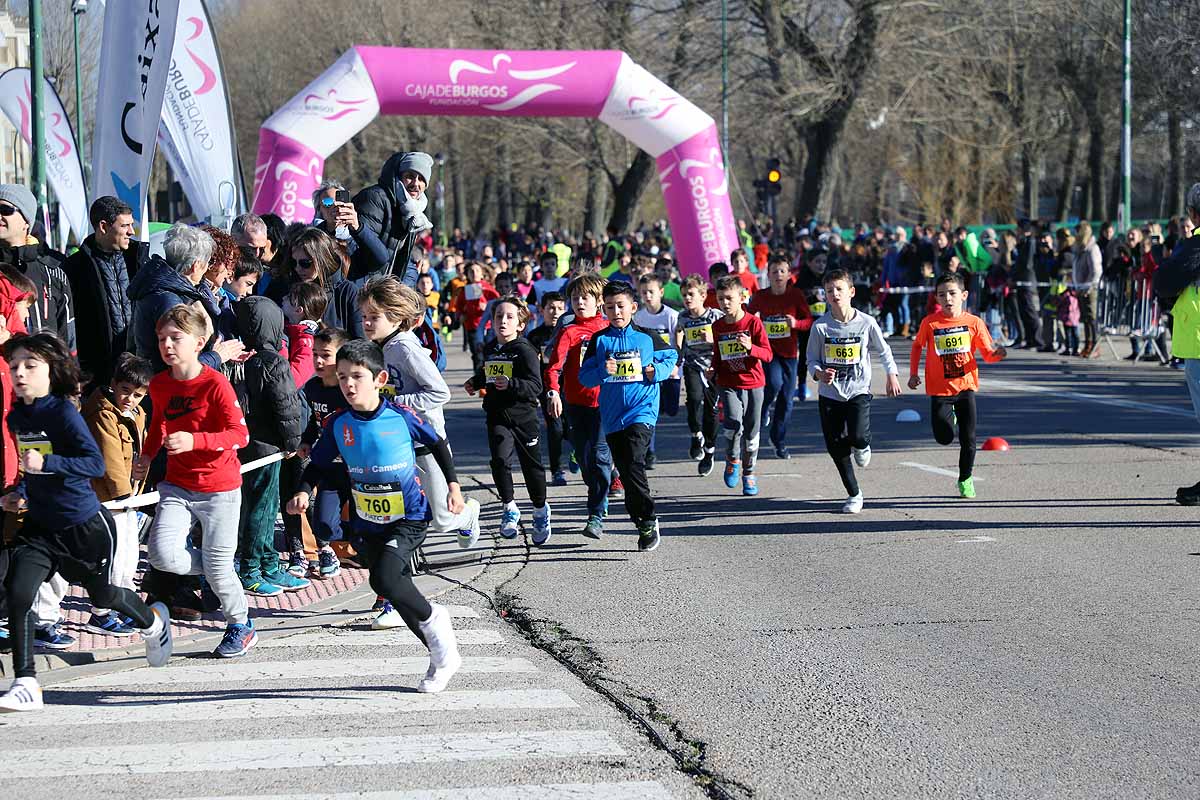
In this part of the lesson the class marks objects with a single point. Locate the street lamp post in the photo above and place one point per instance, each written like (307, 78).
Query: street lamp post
(78, 9)
(1126, 127)
(37, 95)
(725, 79)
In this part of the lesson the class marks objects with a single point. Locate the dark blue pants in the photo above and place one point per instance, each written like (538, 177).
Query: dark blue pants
(778, 396)
(592, 453)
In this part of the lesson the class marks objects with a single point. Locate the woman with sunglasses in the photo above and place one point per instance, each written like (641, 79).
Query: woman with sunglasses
(312, 257)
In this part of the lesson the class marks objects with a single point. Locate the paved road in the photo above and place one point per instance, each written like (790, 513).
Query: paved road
(1037, 641)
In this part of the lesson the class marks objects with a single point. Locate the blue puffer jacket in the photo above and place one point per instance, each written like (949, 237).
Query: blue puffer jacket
(628, 397)
(154, 290)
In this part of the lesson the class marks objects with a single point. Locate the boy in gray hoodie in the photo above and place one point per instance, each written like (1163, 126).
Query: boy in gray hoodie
(838, 355)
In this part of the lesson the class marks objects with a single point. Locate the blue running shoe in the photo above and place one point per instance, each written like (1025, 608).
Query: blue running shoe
(238, 640)
(749, 485)
(508, 522)
(259, 586)
(50, 637)
(286, 581)
(733, 470)
(110, 624)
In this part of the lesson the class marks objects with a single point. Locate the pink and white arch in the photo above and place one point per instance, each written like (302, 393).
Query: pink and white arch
(600, 84)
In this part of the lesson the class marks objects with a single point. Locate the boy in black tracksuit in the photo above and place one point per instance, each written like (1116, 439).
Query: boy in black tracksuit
(512, 375)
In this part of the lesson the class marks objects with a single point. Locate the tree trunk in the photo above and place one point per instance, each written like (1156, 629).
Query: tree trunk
(820, 168)
(1096, 158)
(1176, 187)
(504, 209)
(627, 194)
(454, 161)
(593, 205)
(1114, 192)
(483, 217)
(1066, 192)
(1031, 167)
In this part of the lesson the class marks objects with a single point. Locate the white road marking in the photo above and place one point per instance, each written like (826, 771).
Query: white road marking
(327, 637)
(220, 671)
(337, 751)
(974, 540)
(1018, 386)
(633, 790)
(462, 612)
(935, 470)
(331, 702)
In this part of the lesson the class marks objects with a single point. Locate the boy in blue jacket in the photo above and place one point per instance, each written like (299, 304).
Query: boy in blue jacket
(628, 364)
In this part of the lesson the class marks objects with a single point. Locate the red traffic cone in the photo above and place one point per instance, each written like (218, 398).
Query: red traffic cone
(995, 443)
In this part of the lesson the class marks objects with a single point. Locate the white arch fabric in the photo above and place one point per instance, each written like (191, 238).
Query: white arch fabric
(600, 84)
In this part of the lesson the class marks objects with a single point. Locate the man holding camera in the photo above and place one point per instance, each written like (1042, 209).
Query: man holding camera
(1176, 284)
(1024, 278)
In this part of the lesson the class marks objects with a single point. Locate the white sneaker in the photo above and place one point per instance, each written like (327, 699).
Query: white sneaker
(388, 618)
(444, 659)
(158, 637)
(861, 457)
(23, 695)
(468, 537)
(853, 504)
(541, 525)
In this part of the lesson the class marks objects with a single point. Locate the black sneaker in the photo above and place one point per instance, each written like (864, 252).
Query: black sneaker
(705, 466)
(782, 453)
(650, 459)
(647, 535)
(1194, 489)
(697, 450)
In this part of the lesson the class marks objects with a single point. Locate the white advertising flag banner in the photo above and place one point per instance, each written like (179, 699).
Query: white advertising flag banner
(64, 170)
(197, 132)
(135, 59)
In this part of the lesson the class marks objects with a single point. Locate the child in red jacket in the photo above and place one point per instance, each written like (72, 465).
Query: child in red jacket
(469, 304)
(740, 347)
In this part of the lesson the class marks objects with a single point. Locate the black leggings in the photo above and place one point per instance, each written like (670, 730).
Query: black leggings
(556, 436)
(521, 435)
(846, 424)
(701, 406)
(961, 405)
(389, 556)
(81, 554)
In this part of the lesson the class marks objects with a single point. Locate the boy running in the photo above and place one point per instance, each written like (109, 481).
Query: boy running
(950, 338)
(661, 321)
(696, 344)
(565, 394)
(784, 312)
(553, 306)
(375, 438)
(839, 349)
(740, 347)
(627, 363)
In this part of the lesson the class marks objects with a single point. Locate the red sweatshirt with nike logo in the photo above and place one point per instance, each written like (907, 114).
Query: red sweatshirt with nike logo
(207, 408)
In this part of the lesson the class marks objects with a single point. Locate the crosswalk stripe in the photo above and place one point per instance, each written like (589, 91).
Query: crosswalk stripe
(462, 612)
(267, 754)
(631, 790)
(326, 637)
(218, 671)
(358, 702)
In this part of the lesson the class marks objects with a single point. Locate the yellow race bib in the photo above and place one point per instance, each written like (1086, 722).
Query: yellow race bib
(629, 367)
(494, 369)
(817, 309)
(380, 503)
(730, 348)
(951, 341)
(34, 441)
(778, 327)
(697, 335)
(388, 392)
(843, 352)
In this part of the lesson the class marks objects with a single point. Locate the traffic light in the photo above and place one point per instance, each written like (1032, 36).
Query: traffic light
(774, 180)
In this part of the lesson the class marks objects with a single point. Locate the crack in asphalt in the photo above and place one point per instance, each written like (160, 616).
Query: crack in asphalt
(869, 626)
(578, 657)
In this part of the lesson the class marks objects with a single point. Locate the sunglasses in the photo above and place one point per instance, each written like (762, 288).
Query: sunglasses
(327, 202)
(6, 210)
(258, 251)
(304, 263)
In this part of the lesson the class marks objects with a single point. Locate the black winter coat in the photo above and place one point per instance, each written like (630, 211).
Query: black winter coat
(275, 411)
(1179, 271)
(53, 309)
(154, 290)
(101, 338)
(378, 211)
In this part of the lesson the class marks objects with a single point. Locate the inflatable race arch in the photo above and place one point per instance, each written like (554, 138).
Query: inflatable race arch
(599, 84)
